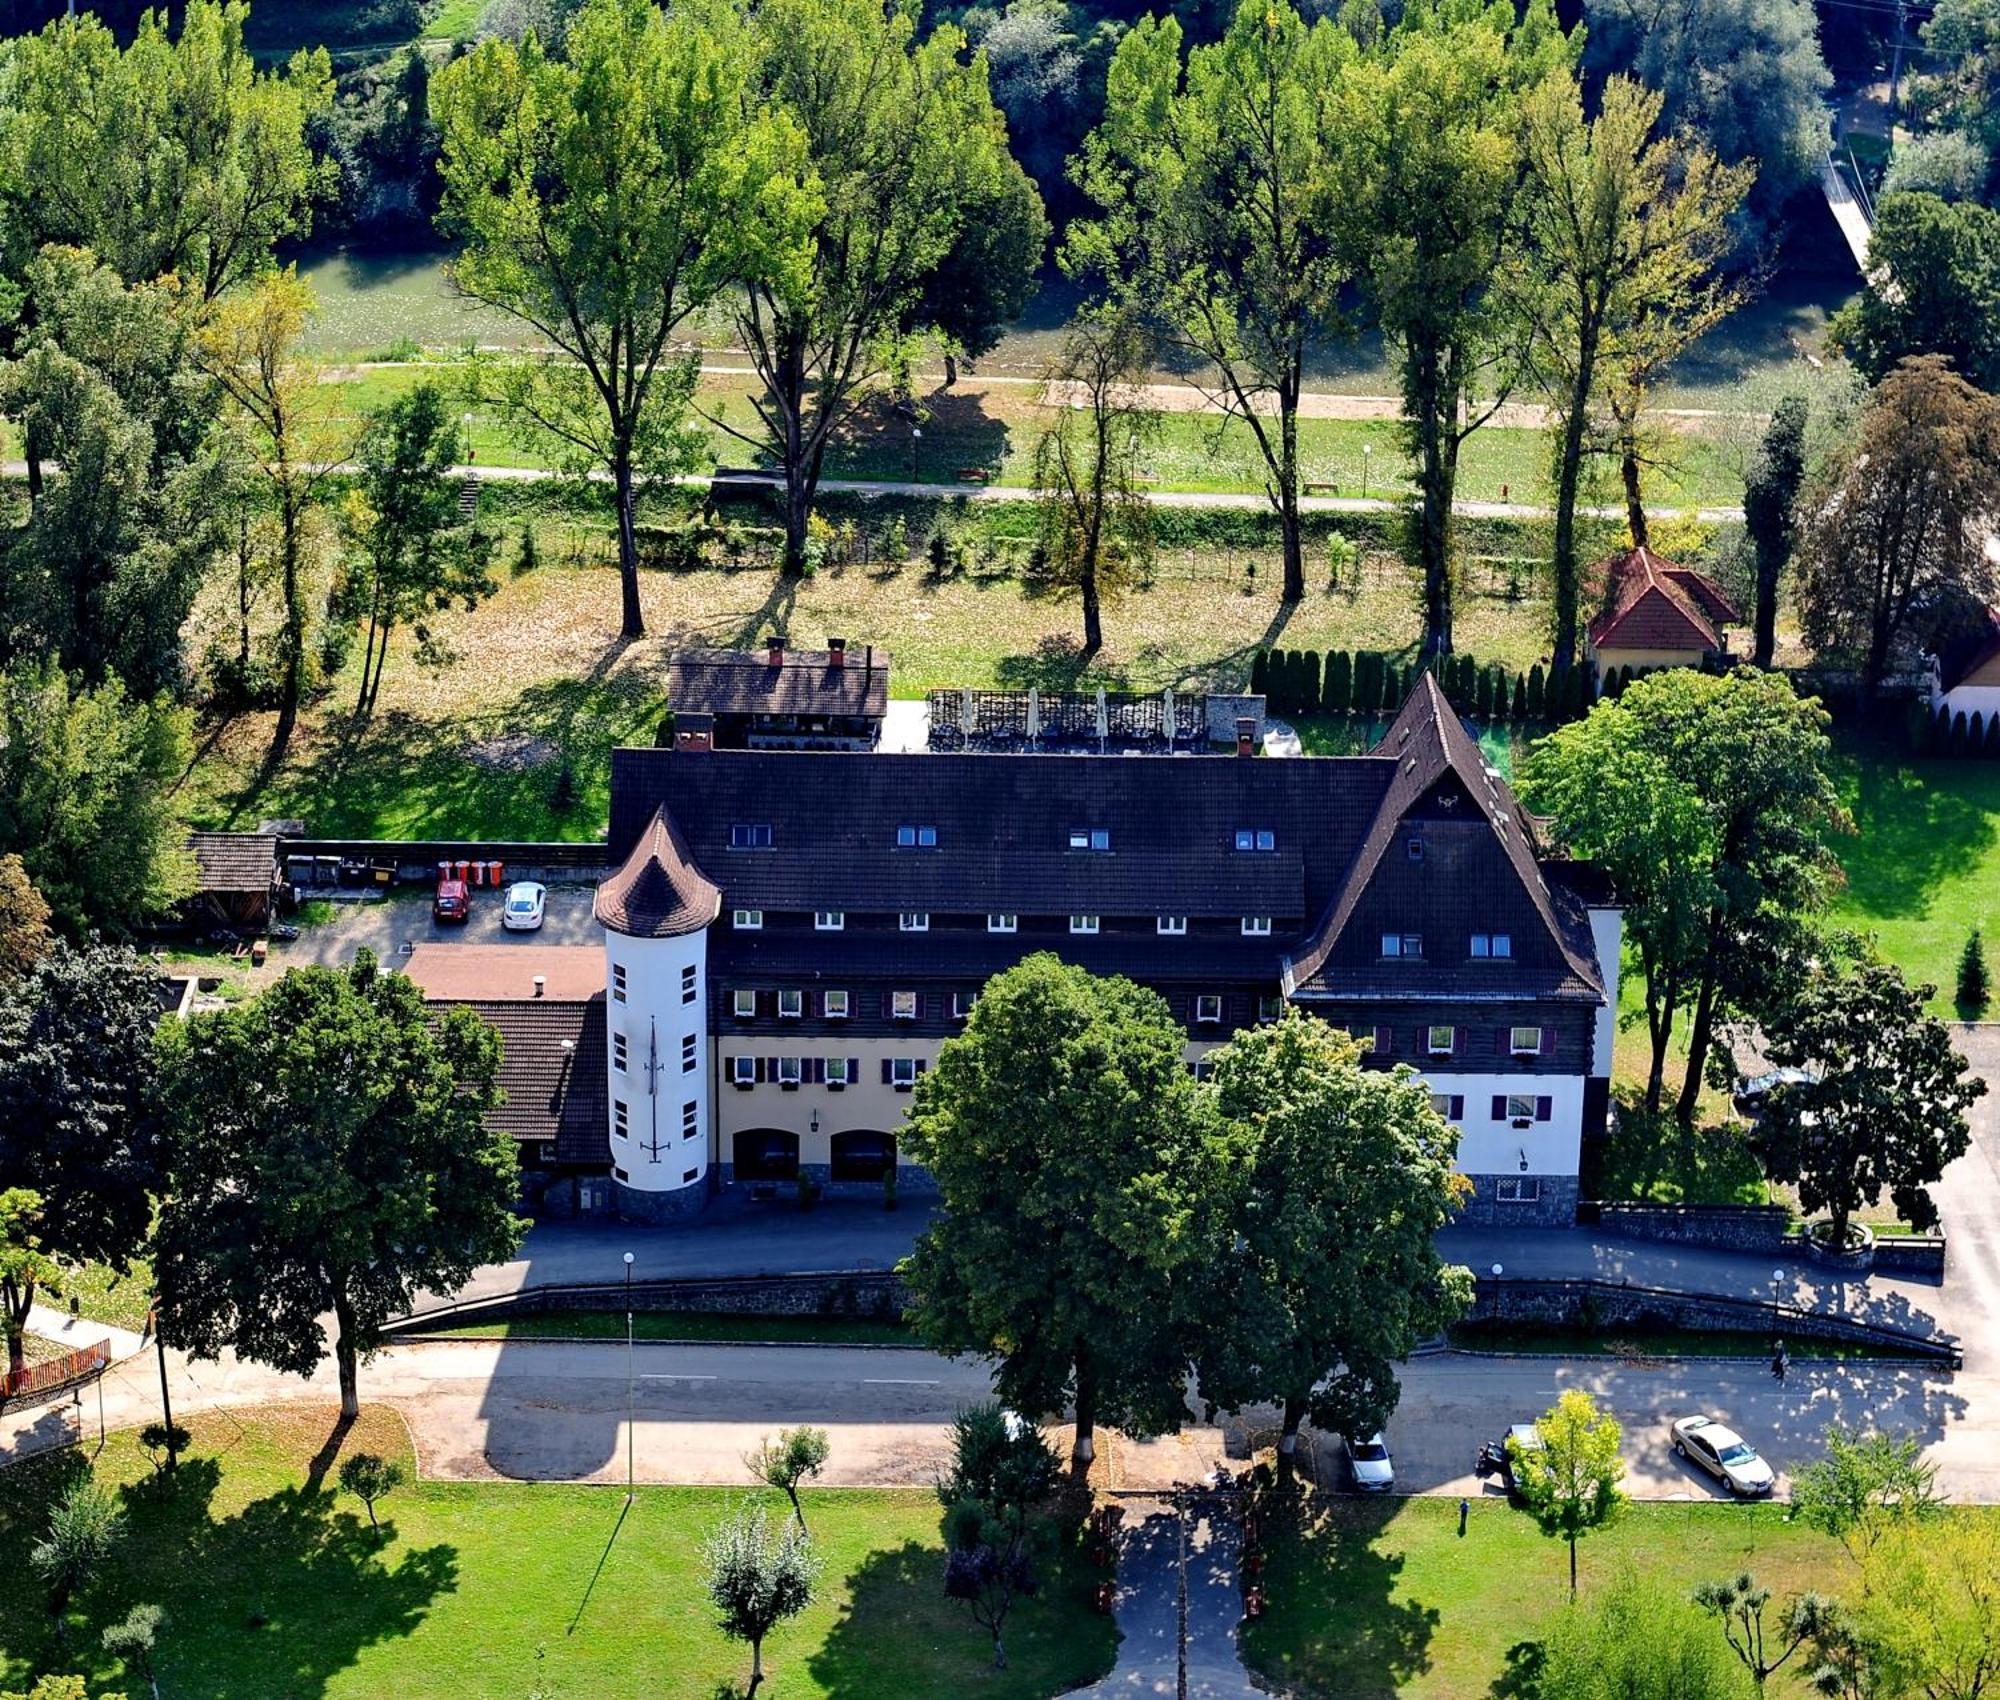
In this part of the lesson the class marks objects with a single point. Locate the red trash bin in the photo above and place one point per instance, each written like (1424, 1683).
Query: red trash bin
(464, 870)
(494, 869)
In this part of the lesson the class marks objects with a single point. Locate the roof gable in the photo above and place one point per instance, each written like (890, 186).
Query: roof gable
(658, 892)
(1651, 603)
(741, 681)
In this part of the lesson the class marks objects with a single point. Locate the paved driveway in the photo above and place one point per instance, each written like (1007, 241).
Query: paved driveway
(390, 925)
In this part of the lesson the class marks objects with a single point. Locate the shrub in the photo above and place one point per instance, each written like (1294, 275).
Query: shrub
(1520, 707)
(1308, 688)
(1260, 673)
(1337, 695)
(1537, 693)
(1483, 694)
(369, 1478)
(1975, 983)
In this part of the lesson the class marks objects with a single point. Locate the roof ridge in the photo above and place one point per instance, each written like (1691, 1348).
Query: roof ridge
(660, 891)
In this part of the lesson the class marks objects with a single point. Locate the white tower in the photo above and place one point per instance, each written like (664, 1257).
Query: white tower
(656, 911)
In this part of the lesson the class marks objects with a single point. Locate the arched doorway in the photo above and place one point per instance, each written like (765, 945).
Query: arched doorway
(766, 1154)
(863, 1155)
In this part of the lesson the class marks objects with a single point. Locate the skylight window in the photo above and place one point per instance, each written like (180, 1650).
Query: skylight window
(1090, 838)
(1256, 838)
(916, 838)
(749, 836)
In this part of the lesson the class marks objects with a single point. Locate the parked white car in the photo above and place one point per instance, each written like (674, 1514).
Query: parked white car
(525, 902)
(1369, 1464)
(1717, 1448)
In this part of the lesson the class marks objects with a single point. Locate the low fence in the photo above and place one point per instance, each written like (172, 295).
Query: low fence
(874, 1294)
(1588, 1303)
(51, 1375)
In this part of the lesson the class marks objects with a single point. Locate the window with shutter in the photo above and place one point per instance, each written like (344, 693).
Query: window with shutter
(1544, 1109)
(1548, 1041)
(1385, 1041)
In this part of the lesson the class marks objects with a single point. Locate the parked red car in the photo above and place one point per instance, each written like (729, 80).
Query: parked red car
(453, 901)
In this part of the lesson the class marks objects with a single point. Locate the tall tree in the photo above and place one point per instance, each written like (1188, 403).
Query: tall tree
(1710, 794)
(1933, 288)
(1072, 1152)
(1432, 201)
(79, 1119)
(250, 344)
(1763, 1648)
(1885, 1108)
(86, 780)
(105, 573)
(24, 920)
(1096, 523)
(1570, 1482)
(1930, 1611)
(1895, 540)
(1340, 1181)
(1746, 75)
(1866, 1484)
(328, 1153)
(605, 199)
(906, 152)
(1219, 217)
(1770, 513)
(1619, 223)
(25, 1269)
(175, 154)
(417, 554)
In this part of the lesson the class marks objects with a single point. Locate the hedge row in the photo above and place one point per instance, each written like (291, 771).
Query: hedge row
(1960, 734)
(1367, 682)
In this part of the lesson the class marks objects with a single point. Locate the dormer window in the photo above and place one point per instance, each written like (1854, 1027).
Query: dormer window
(748, 920)
(1083, 923)
(1496, 947)
(749, 836)
(1256, 926)
(916, 838)
(1256, 838)
(1002, 923)
(1174, 924)
(829, 920)
(1409, 945)
(1416, 849)
(1090, 838)
(914, 921)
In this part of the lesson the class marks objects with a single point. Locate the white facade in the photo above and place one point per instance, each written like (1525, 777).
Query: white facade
(1607, 935)
(658, 1062)
(1490, 1145)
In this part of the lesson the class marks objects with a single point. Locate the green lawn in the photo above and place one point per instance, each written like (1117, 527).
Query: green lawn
(1378, 1598)
(1923, 867)
(104, 1295)
(276, 1589)
(689, 1325)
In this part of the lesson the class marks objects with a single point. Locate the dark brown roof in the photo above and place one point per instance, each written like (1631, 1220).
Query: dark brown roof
(740, 681)
(495, 973)
(1478, 872)
(234, 861)
(552, 1094)
(1002, 824)
(1651, 603)
(659, 892)
(1963, 655)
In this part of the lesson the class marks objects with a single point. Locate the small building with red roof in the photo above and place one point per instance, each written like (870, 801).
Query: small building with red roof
(1657, 613)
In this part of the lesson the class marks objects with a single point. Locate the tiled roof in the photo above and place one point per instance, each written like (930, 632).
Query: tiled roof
(1478, 871)
(498, 973)
(659, 892)
(234, 861)
(552, 1094)
(743, 681)
(1002, 825)
(1651, 603)
(1965, 654)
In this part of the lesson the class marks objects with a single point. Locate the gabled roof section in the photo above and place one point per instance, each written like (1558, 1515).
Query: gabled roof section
(228, 862)
(659, 892)
(1440, 772)
(553, 1078)
(1970, 650)
(803, 681)
(1651, 603)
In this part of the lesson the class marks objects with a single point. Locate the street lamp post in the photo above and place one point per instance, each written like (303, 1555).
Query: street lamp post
(1367, 454)
(631, 1381)
(1777, 1287)
(916, 448)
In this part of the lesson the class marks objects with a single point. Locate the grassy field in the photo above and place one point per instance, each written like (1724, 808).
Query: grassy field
(1378, 1598)
(990, 428)
(1923, 866)
(276, 1589)
(475, 747)
(104, 1295)
(689, 1325)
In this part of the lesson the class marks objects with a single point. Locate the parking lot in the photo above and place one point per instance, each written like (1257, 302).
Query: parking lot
(391, 924)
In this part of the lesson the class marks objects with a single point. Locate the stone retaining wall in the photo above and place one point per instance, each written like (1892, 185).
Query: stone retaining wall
(874, 1294)
(1762, 1228)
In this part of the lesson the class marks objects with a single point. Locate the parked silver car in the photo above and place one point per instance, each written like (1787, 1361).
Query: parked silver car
(1369, 1465)
(1717, 1448)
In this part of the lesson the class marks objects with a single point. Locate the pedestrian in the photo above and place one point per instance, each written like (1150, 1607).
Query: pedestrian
(1464, 1511)
(1779, 1363)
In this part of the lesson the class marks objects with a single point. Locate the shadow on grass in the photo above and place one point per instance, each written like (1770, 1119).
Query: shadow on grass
(959, 435)
(1918, 825)
(1522, 1677)
(1332, 1625)
(898, 1635)
(277, 1596)
(1653, 1158)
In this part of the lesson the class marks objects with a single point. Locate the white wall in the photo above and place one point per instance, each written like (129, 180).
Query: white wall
(1607, 933)
(1487, 1147)
(654, 1018)
(1972, 699)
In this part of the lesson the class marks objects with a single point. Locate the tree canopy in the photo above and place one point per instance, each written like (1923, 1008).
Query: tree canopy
(1570, 1482)
(1072, 1154)
(1933, 288)
(1339, 1179)
(328, 1152)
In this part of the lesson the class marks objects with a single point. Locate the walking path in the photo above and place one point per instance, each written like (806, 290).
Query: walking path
(1178, 1606)
(74, 1333)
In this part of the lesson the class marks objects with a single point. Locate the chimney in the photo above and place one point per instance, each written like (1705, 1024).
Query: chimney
(836, 654)
(1246, 736)
(776, 657)
(541, 984)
